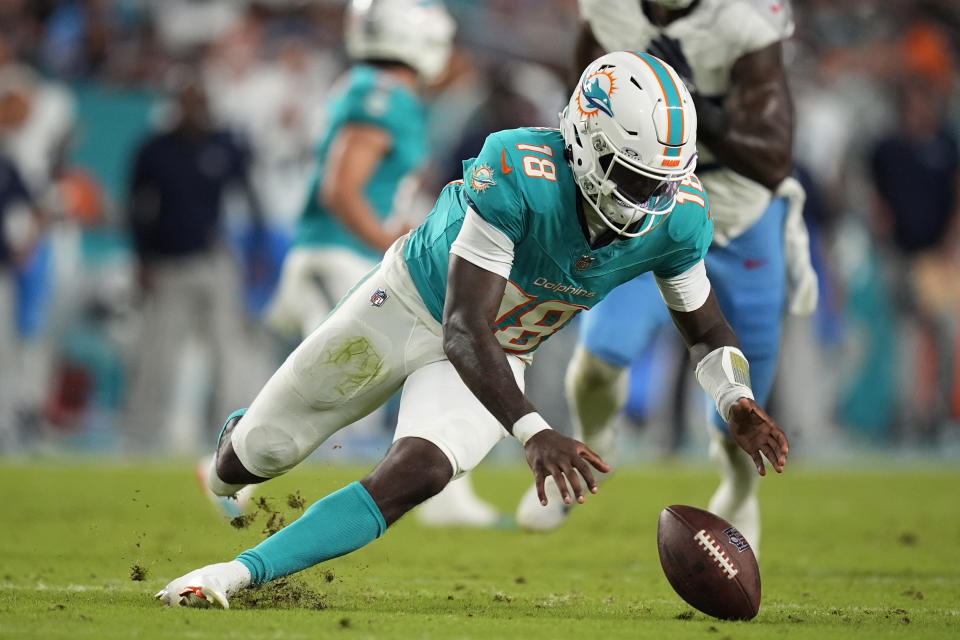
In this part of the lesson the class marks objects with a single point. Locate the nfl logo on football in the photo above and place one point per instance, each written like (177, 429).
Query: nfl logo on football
(378, 298)
(736, 539)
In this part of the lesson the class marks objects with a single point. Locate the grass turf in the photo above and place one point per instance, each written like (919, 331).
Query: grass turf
(859, 554)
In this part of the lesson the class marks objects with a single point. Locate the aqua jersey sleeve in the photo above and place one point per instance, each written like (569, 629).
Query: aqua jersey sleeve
(493, 188)
(374, 102)
(690, 227)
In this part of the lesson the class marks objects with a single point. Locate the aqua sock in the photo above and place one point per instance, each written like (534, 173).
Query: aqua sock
(344, 521)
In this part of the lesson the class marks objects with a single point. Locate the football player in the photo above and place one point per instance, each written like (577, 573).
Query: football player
(544, 224)
(728, 53)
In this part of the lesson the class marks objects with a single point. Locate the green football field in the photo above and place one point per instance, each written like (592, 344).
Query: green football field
(866, 553)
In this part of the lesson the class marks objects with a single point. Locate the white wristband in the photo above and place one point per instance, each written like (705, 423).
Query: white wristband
(725, 374)
(528, 426)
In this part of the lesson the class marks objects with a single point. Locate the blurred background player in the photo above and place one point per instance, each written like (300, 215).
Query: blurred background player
(916, 177)
(188, 278)
(358, 202)
(729, 55)
(19, 230)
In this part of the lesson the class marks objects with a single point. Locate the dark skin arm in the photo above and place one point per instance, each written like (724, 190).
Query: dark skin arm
(752, 131)
(706, 329)
(757, 141)
(470, 309)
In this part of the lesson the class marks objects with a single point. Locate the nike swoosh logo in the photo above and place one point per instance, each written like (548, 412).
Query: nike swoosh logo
(503, 162)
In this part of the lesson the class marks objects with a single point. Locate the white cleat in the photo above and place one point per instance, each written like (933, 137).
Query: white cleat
(209, 586)
(230, 506)
(458, 506)
(533, 516)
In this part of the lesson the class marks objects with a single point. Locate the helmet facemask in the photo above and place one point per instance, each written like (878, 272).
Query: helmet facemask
(629, 199)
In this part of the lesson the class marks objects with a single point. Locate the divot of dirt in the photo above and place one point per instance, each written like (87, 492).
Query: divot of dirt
(285, 593)
(274, 524)
(296, 501)
(243, 521)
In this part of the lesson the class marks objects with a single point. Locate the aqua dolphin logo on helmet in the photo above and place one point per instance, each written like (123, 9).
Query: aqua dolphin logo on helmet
(595, 91)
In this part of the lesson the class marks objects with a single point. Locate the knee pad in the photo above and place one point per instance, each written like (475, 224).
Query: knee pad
(267, 451)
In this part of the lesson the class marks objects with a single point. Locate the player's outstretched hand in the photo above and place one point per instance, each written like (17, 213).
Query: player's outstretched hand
(553, 454)
(757, 434)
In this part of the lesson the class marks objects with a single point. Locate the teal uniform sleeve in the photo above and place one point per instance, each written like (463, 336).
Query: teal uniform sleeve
(492, 185)
(691, 226)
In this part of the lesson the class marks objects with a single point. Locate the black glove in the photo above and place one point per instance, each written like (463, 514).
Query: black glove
(711, 118)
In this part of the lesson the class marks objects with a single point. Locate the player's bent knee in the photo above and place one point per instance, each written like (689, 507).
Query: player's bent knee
(269, 452)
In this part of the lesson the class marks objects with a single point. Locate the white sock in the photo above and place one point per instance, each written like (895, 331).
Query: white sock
(735, 500)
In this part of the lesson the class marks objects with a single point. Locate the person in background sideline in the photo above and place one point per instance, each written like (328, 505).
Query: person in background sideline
(188, 278)
(916, 175)
(19, 228)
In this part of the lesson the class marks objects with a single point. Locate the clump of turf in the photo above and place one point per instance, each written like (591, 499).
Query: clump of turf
(285, 593)
(274, 524)
(243, 521)
(296, 501)
(138, 573)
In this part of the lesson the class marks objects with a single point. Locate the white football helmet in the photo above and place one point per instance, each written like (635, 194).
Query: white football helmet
(631, 134)
(418, 33)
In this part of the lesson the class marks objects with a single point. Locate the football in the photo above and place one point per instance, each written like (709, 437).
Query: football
(708, 563)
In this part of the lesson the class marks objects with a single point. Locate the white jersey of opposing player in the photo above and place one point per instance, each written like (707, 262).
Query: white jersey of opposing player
(713, 36)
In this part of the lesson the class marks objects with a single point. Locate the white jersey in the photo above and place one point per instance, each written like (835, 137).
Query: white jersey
(713, 37)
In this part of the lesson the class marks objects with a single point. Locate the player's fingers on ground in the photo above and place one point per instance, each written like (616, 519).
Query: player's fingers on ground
(758, 460)
(538, 480)
(574, 479)
(584, 470)
(772, 456)
(562, 485)
(782, 441)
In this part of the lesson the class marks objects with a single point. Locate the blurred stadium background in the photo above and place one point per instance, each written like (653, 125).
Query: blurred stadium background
(83, 82)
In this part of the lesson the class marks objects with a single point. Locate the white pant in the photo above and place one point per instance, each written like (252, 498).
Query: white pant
(312, 281)
(352, 363)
